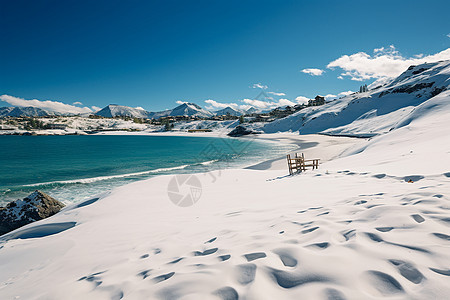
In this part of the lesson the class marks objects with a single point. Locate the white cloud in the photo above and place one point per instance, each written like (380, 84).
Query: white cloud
(264, 105)
(313, 72)
(259, 86)
(342, 94)
(53, 106)
(302, 99)
(276, 94)
(284, 102)
(340, 77)
(180, 102)
(448, 35)
(214, 105)
(330, 96)
(384, 63)
(95, 108)
(77, 103)
(258, 103)
(261, 104)
(138, 107)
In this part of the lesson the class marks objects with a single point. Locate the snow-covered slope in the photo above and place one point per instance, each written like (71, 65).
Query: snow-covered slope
(23, 112)
(114, 110)
(373, 224)
(228, 110)
(185, 109)
(373, 112)
(217, 126)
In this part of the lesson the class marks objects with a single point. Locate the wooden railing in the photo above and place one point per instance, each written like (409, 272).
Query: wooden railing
(299, 163)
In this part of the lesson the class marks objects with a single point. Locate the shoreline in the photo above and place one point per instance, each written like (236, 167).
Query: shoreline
(311, 145)
(346, 227)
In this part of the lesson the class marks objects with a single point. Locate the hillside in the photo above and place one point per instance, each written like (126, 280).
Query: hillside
(374, 112)
(23, 112)
(185, 109)
(228, 110)
(113, 110)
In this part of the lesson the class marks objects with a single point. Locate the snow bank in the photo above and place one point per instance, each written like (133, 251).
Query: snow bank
(374, 112)
(344, 231)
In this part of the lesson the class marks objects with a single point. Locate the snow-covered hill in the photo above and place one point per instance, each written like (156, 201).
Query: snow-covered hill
(374, 112)
(23, 112)
(185, 109)
(228, 110)
(114, 110)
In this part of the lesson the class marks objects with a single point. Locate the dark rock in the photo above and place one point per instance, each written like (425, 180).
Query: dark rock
(419, 71)
(415, 87)
(240, 131)
(437, 90)
(35, 207)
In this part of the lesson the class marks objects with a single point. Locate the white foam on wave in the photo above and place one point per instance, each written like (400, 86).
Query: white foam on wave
(100, 178)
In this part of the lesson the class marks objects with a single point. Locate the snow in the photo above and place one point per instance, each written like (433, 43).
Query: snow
(345, 229)
(228, 110)
(373, 112)
(372, 222)
(23, 112)
(113, 110)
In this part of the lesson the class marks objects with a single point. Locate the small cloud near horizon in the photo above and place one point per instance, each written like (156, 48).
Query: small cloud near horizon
(313, 72)
(53, 106)
(302, 99)
(276, 94)
(259, 86)
(77, 103)
(342, 94)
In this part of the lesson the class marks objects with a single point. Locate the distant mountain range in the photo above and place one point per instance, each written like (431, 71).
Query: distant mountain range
(185, 109)
(23, 112)
(228, 111)
(114, 110)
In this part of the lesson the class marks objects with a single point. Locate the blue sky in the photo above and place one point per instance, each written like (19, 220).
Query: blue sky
(151, 54)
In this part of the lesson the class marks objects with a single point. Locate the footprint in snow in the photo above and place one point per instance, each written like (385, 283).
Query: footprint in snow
(254, 256)
(163, 277)
(246, 273)
(206, 252)
(408, 271)
(226, 293)
(418, 218)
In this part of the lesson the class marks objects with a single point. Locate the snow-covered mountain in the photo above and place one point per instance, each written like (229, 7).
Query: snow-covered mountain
(114, 110)
(252, 110)
(373, 112)
(228, 110)
(185, 109)
(23, 112)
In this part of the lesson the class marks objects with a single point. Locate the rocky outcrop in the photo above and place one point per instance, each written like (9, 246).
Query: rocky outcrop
(36, 206)
(240, 131)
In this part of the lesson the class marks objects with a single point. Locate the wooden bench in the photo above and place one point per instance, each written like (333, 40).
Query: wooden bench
(298, 163)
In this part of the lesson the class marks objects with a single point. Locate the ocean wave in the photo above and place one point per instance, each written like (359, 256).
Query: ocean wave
(100, 178)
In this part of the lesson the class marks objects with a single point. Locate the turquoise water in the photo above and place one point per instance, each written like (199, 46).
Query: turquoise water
(72, 168)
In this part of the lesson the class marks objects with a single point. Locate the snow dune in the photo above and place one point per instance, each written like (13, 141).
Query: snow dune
(372, 222)
(332, 233)
(374, 112)
(356, 236)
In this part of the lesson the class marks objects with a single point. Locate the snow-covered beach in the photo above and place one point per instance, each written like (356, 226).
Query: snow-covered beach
(367, 225)
(372, 221)
(225, 150)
